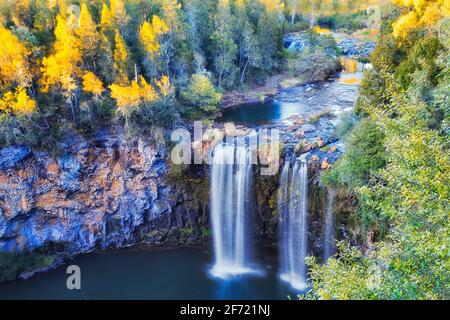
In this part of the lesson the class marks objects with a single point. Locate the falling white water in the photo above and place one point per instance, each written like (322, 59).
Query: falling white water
(230, 190)
(293, 207)
(329, 227)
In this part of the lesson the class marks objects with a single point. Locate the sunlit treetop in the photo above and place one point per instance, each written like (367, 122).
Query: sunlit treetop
(118, 11)
(107, 20)
(170, 11)
(149, 33)
(63, 66)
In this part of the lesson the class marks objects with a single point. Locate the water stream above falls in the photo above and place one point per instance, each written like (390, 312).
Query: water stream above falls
(306, 100)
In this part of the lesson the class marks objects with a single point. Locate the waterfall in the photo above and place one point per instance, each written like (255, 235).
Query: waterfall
(329, 226)
(293, 209)
(230, 191)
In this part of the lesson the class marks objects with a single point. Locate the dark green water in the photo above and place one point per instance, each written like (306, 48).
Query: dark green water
(180, 273)
(257, 113)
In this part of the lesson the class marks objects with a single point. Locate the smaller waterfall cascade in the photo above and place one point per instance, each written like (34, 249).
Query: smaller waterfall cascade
(230, 189)
(329, 226)
(293, 209)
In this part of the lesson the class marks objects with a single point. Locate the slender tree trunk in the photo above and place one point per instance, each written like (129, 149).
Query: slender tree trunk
(243, 72)
(135, 73)
(312, 18)
(72, 109)
(294, 14)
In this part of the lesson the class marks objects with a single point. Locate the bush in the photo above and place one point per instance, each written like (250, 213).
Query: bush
(312, 65)
(12, 264)
(364, 156)
(200, 96)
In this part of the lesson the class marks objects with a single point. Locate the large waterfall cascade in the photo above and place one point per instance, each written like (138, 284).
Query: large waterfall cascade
(230, 189)
(329, 226)
(293, 209)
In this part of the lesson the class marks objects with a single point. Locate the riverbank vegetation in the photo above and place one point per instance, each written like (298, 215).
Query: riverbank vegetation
(396, 165)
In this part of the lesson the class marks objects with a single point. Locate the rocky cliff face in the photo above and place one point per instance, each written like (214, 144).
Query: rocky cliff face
(106, 193)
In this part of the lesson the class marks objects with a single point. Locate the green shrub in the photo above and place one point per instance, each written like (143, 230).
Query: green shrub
(363, 157)
(312, 65)
(200, 97)
(12, 264)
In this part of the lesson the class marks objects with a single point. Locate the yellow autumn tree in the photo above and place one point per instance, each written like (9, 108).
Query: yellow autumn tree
(421, 13)
(17, 102)
(121, 60)
(130, 96)
(88, 35)
(107, 20)
(14, 67)
(170, 11)
(149, 34)
(92, 84)
(63, 66)
(164, 86)
(119, 12)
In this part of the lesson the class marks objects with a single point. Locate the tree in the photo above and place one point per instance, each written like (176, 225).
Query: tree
(107, 22)
(14, 67)
(269, 31)
(425, 13)
(249, 50)
(17, 102)
(224, 47)
(201, 94)
(149, 33)
(62, 68)
(121, 59)
(131, 96)
(119, 13)
(92, 84)
(89, 38)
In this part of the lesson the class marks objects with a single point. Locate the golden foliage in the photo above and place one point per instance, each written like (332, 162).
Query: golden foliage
(13, 59)
(423, 13)
(17, 102)
(118, 11)
(149, 33)
(107, 20)
(170, 11)
(87, 31)
(120, 59)
(92, 84)
(146, 91)
(164, 86)
(130, 96)
(62, 67)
